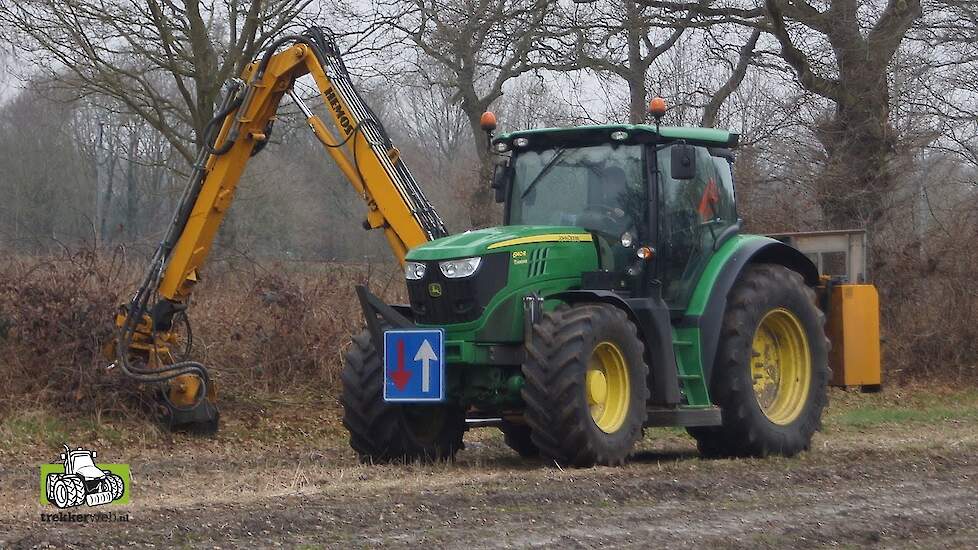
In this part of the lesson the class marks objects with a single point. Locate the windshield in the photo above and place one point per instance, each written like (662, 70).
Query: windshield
(600, 188)
(81, 460)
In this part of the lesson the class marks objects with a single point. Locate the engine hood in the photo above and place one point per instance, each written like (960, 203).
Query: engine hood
(90, 472)
(495, 239)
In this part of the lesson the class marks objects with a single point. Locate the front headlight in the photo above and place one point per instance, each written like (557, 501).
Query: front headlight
(414, 270)
(455, 269)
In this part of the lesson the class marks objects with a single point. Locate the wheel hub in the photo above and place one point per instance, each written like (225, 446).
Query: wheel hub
(597, 387)
(607, 387)
(780, 366)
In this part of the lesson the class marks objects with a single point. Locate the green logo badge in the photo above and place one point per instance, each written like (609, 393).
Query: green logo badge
(434, 290)
(79, 480)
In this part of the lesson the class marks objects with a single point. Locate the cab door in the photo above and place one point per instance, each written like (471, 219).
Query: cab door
(692, 217)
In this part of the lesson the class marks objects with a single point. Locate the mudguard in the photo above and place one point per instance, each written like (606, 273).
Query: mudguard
(749, 249)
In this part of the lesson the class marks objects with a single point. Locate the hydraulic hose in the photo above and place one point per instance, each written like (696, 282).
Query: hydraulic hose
(138, 305)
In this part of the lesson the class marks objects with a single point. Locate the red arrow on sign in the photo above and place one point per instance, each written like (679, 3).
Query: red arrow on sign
(401, 375)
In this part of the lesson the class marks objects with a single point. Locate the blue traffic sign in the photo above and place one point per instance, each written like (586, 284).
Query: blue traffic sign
(414, 370)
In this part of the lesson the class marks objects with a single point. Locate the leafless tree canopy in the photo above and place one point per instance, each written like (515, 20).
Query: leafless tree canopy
(162, 61)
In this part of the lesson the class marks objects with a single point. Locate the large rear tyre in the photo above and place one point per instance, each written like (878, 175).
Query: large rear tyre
(383, 432)
(115, 485)
(586, 388)
(771, 373)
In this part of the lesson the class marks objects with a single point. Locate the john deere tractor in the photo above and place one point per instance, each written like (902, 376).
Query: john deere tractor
(619, 294)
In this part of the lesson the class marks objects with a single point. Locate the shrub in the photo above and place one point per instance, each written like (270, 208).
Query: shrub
(257, 330)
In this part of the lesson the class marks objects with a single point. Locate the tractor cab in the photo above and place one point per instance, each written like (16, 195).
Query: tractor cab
(658, 200)
(81, 462)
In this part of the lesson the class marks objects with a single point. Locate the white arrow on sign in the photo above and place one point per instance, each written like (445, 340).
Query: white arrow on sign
(426, 355)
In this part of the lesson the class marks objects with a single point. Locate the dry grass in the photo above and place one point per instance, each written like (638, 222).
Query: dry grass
(260, 329)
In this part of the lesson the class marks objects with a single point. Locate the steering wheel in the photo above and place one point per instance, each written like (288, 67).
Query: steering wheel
(599, 218)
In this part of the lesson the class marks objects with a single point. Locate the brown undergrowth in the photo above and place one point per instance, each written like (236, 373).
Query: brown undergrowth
(259, 328)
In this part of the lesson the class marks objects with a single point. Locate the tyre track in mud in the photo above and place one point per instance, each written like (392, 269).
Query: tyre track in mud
(848, 493)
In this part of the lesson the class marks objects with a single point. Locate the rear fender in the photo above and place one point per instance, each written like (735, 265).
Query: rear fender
(717, 281)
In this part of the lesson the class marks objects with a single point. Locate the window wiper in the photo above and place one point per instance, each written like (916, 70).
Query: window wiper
(543, 172)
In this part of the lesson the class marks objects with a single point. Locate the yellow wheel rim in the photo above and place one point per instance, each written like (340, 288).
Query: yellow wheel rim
(781, 366)
(607, 387)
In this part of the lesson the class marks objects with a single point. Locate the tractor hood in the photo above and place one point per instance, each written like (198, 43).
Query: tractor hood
(495, 239)
(83, 465)
(90, 472)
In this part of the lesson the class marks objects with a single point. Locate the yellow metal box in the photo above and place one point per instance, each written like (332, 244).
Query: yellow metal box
(853, 327)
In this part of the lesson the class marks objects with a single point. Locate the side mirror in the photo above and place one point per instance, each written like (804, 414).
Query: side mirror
(501, 177)
(683, 162)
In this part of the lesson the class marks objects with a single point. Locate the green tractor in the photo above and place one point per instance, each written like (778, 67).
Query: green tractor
(619, 294)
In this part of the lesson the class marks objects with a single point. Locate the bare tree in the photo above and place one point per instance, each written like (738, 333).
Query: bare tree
(839, 50)
(621, 38)
(477, 46)
(738, 71)
(162, 60)
(859, 138)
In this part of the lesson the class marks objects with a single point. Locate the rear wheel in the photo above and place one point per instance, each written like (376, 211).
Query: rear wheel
(115, 485)
(585, 387)
(771, 372)
(384, 432)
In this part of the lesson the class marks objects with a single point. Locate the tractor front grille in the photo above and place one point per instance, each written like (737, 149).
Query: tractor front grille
(457, 300)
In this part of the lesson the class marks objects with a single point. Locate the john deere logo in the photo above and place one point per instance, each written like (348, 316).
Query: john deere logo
(78, 480)
(434, 290)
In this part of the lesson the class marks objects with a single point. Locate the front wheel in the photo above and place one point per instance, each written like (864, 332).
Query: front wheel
(519, 438)
(384, 432)
(586, 387)
(49, 486)
(69, 491)
(771, 372)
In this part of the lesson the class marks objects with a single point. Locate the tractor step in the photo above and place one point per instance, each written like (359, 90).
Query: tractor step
(683, 417)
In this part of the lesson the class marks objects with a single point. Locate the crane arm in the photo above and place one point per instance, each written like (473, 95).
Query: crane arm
(372, 165)
(360, 148)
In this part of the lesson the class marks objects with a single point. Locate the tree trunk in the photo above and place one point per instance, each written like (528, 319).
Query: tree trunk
(129, 221)
(637, 92)
(636, 99)
(483, 211)
(104, 172)
(859, 144)
(101, 185)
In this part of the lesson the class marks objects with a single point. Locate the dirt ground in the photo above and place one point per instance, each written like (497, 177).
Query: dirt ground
(895, 470)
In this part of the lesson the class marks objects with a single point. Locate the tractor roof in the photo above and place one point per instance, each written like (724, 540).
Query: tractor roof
(637, 133)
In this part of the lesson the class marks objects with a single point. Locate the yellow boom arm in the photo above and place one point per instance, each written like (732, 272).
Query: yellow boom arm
(145, 349)
(371, 164)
